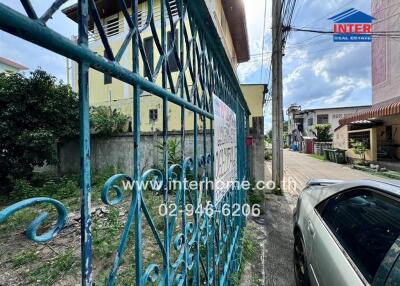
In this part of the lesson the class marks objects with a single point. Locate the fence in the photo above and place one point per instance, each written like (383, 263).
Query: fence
(203, 249)
(319, 147)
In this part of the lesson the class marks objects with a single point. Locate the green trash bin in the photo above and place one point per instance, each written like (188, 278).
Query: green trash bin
(340, 156)
(326, 154)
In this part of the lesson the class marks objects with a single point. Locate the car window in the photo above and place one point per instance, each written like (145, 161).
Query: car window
(366, 224)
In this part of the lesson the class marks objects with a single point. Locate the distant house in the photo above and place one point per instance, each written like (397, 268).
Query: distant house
(379, 126)
(301, 123)
(7, 65)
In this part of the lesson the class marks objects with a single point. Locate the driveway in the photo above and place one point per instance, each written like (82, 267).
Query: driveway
(278, 224)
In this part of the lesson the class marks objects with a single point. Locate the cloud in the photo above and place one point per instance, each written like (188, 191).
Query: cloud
(317, 71)
(31, 55)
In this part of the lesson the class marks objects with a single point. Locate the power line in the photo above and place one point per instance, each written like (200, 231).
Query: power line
(263, 41)
(394, 34)
(327, 15)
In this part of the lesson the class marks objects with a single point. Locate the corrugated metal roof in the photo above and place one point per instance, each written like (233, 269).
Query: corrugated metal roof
(385, 110)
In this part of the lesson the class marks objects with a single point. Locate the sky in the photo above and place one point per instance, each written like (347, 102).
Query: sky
(33, 56)
(317, 72)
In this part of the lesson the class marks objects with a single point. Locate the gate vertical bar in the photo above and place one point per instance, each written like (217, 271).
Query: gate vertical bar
(183, 131)
(86, 223)
(165, 144)
(136, 149)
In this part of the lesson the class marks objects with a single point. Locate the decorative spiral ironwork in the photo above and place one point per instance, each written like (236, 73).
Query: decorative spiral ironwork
(32, 230)
(151, 274)
(110, 185)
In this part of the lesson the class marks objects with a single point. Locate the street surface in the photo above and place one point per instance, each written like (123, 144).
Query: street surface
(278, 267)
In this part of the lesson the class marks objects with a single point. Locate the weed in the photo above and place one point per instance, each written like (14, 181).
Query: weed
(24, 257)
(52, 271)
(255, 195)
(318, 157)
(249, 251)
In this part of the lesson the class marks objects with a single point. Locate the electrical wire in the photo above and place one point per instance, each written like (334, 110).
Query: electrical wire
(263, 41)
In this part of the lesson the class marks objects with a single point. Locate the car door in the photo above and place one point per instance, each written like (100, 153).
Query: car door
(354, 230)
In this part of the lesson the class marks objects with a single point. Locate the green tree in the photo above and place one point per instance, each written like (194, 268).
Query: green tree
(107, 122)
(323, 132)
(268, 137)
(359, 149)
(36, 113)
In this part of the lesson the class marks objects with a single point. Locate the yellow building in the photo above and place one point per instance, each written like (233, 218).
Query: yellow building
(254, 95)
(228, 17)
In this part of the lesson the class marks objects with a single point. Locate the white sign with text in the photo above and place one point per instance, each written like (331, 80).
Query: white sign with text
(225, 149)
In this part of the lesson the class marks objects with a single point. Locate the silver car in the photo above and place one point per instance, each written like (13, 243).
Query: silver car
(347, 233)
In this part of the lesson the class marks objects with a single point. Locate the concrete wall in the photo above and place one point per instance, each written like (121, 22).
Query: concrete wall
(385, 53)
(393, 121)
(256, 157)
(341, 141)
(118, 151)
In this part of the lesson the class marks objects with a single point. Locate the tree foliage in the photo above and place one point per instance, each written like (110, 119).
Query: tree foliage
(36, 112)
(323, 132)
(107, 122)
(359, 149)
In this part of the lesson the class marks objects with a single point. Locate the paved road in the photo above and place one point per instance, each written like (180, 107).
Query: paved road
(278, 218)
(303, 167)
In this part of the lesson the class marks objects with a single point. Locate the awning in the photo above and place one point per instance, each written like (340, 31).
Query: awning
(386, 110)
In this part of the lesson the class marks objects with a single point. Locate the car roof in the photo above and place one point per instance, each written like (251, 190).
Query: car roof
(319, 190)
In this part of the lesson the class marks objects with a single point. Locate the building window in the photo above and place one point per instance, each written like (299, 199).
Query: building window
(107, 76)
(148, 49)
(112, 25)
(322, 119)
(153, 115)
(310, 121)
(174, 7)
(173, 65)
(363, 137)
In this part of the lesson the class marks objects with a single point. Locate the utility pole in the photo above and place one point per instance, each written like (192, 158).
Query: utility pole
(277, 102)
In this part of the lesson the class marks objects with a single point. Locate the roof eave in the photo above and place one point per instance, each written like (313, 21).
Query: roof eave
(236, 18)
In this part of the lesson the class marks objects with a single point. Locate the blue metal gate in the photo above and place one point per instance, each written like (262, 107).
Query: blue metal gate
(206, 248)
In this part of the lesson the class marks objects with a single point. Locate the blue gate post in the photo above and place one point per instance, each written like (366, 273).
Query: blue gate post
(86, 221)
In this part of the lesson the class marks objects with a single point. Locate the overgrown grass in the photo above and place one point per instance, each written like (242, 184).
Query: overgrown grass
(255, 195)
(24, 257)
(388, 174)
(50, 272)
(318, 157)
(250, 248)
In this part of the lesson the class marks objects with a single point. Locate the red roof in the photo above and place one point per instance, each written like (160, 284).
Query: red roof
(385, 110)
(12, 64)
